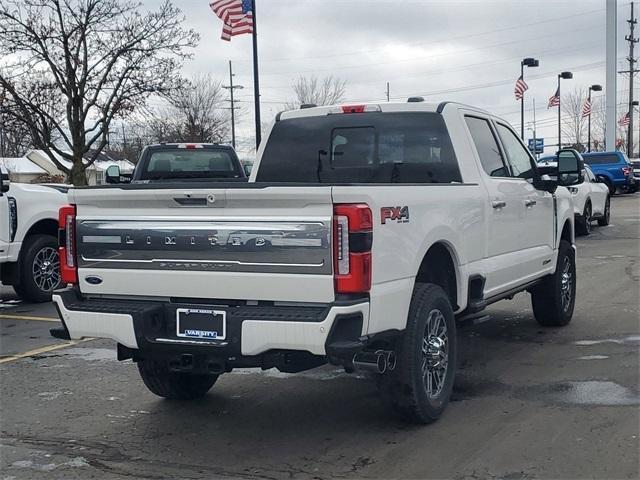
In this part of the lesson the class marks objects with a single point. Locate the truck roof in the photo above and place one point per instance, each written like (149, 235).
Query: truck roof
(191, 144)
(414, 104)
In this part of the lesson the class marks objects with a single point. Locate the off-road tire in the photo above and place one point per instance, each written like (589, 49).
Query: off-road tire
(28, 288)
(549, 307)
(174, 385)
(404, 389)
(604, 220)
(583, 225)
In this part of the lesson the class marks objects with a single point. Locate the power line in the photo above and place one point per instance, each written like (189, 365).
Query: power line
(587, 66)
(449, 39)
(392, 62)
(434, 72)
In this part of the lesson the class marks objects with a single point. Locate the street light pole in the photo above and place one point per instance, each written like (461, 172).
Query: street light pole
(594, 88)
(567, 76)
(528, 62)
(231, 87)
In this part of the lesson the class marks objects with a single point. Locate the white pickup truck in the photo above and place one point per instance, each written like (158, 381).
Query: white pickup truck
(363, 233)
(28, 238)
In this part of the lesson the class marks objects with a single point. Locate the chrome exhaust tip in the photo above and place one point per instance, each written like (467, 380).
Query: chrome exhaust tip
(380, 361)
(391, 361)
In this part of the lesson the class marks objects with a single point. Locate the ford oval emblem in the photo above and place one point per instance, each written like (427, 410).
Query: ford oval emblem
(93, 280)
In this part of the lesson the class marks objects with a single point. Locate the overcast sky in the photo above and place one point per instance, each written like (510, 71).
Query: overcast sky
(467, 51)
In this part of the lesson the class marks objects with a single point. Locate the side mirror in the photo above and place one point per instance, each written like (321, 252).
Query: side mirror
(4, 182)
(112, 174)
(570, 167)
(545, 183)
(247, 169)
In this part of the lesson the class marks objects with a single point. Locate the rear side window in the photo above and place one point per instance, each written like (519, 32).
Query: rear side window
(487, 147)
(360, 148)
(602, 159)
(517, 154)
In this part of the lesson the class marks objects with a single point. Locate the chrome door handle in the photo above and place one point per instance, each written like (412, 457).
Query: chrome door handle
(498, 204)
(530, 202)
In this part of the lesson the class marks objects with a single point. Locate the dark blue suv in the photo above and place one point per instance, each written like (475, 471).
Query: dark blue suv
(612, 168)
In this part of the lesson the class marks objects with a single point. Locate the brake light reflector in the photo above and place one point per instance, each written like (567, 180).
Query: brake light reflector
(352, 239)
(67, 244)
(626, 171)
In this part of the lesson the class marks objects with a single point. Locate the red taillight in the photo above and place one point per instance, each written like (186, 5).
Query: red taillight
(67, 244)
(352, 239)
(353, 108)
(627, 170)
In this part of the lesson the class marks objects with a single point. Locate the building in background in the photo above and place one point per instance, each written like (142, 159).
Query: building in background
(21, 169)
(95, 172)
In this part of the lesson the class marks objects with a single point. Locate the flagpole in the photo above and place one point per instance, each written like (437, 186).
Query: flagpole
(522, 103)
(559, 117)
(256, 76)
(589, 124)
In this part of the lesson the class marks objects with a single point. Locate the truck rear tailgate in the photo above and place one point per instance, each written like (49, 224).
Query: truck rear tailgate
(242, 242)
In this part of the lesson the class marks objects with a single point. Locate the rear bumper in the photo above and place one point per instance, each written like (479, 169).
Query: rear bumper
(149, 326)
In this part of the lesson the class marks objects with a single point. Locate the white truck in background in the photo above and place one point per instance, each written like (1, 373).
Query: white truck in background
(28, 238)
(364, 233)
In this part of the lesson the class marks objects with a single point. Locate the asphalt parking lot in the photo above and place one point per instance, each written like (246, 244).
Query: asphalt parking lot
(528, 402)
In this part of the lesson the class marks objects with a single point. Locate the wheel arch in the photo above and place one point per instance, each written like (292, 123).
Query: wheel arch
(440, 266)
(567, 233)
(44, 226)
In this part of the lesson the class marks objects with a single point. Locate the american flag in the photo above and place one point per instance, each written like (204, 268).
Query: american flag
(521, 87)
(555, 100)
(586, 110)
(624, 120)
(237, 16)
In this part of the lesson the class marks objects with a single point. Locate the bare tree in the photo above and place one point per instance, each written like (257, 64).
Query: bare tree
(311, 90)
(195, 112)
(15, 137)
(574, 125)
(102, 58)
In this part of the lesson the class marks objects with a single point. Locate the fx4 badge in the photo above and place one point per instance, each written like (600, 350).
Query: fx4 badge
(399, 214)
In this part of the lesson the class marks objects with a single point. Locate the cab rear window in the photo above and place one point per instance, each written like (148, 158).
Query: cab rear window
(360, 148)
(180, 163)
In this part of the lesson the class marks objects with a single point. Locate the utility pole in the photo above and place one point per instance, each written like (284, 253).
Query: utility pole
(124, 140)
(231, 87)
(388, 92)
(632, 41)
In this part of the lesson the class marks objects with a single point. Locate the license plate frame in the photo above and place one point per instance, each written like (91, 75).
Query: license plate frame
(198, 328)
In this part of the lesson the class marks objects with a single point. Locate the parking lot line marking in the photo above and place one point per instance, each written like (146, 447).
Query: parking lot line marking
(41, 350)
(25, 317)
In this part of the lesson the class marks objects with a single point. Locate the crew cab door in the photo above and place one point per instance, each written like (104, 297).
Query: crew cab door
(537, 230)
(505, 209)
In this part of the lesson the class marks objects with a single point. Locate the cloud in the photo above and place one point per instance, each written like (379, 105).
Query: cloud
(467, 51)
